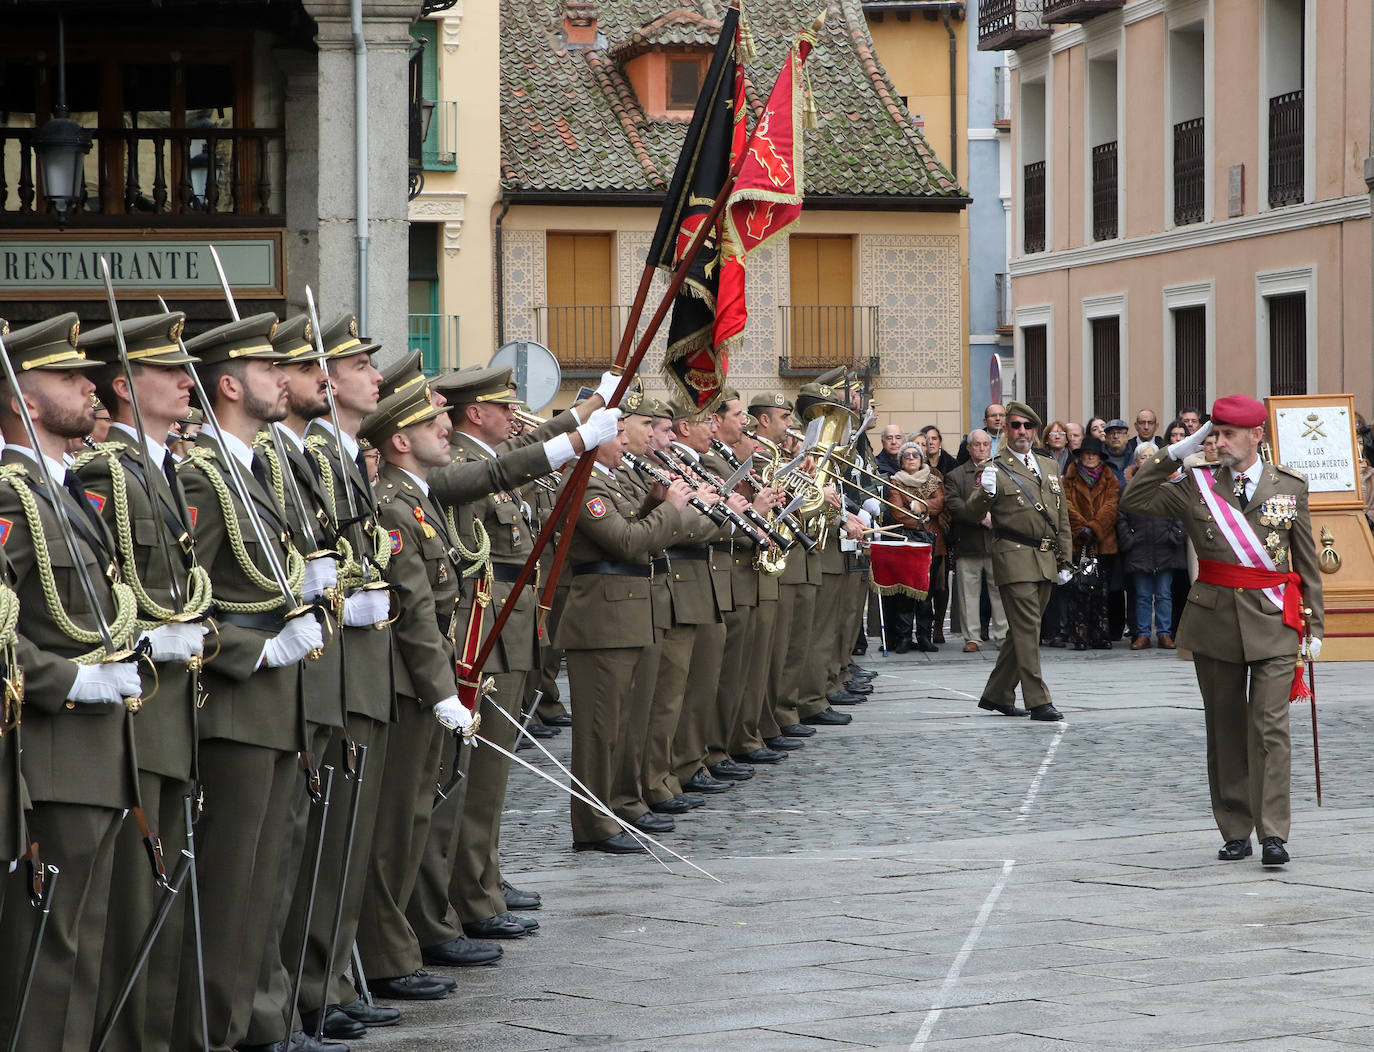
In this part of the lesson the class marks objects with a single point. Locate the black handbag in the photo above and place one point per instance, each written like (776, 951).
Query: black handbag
(1087, 572)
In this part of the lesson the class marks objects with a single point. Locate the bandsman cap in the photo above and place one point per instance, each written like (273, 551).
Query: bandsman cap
(478, 385)
(396, 413)
(250, 338)
(50, 344)
(341, 339)
(815, 395)
(769, 400)
(151, 340)
(402, 374)
(295, 340)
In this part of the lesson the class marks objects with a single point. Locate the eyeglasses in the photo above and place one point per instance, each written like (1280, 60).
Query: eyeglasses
(1055, 434)
(1020, 425)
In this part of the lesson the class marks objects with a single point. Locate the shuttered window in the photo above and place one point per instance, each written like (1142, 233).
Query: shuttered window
(1035, 353)
(1190, 357)
(1106, 336)
(1288, 344)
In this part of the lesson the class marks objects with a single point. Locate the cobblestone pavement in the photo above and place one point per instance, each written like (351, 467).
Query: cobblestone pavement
(933, 877)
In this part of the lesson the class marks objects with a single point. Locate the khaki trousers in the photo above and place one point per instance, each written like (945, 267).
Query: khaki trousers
(1249, 752)
(629, 795)
(1018, 659)
(698, 700)
(811, 698)
(601, 683)
(796, 605)
(756, 677)
(674, 662)
(722, 732)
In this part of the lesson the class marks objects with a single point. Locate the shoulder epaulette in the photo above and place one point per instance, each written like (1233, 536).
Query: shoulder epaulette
(1294, 472)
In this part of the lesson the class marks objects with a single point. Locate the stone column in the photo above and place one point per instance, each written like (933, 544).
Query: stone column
(386, 26)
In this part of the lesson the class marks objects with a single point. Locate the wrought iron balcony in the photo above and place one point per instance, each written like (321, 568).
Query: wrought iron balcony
(435, 336)
(1190, 172)
(1033, 207)
(184, 176)
(583, 338)
(1104, 192)
(440, 149)
(1060, 11)
(1006, 24)
(1287, 150)
(817, 338)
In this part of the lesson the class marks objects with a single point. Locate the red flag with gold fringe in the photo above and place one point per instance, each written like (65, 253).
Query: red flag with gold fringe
(900, 567)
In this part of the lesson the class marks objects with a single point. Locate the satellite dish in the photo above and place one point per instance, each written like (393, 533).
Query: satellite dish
(534, 369)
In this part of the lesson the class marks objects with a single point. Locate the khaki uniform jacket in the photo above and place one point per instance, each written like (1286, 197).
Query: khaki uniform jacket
(609, 611)
(1233, 624)
(967, 535)
(1013, 561)
(366, 685)
(83, 754)
(691, 582)
(634, 486)
(247, 704)
(722, 553)
(427, 577)
(165, 727)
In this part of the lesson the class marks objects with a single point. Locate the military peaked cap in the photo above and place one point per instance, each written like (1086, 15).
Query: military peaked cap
(152, 340)
(250, 338)
(50, 344)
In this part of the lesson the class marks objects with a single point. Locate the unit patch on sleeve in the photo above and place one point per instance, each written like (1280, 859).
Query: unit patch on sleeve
(597, 507)
(97, 501)
(395, 536)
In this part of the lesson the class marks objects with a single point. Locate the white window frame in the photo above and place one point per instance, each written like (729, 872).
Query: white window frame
(1037, 69)
(1283, 283)
(1180, 17)
(1196, 294)
(1029, 317)
(1309, 106)
(1094, 308)
(1098, 46)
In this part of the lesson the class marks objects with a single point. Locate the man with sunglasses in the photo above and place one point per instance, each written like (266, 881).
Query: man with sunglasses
(1030, 551)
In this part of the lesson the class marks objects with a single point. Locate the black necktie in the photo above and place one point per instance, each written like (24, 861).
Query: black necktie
(259, 469)
(77, 492)
(1241, 487)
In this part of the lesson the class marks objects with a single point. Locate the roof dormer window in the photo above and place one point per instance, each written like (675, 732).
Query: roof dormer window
(666, 60)
(684, 82)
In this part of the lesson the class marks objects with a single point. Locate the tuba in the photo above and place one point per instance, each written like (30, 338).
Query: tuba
(838, 421)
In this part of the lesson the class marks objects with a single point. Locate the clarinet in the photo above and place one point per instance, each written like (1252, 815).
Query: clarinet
(789, 520)
(656, 475)
(760, 533)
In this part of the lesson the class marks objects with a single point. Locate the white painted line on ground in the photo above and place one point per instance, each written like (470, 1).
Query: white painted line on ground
(940, 686)
(918, 1043)
(1040, 774)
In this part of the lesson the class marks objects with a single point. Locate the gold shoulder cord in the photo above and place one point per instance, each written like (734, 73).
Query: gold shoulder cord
(478, 558)
(198, 597)
(126, 606)
(13, 684)
(350, 571)
(203, 460)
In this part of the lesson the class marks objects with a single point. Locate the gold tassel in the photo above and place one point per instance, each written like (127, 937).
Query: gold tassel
(811, 117)
(745, 51)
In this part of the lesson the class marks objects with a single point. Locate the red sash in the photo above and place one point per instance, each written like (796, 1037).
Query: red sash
(1230, 575)
(469, 678)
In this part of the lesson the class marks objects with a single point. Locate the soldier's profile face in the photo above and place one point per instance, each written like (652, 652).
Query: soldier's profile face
(1236, 446)
(60, 401)
(164, 391)
(429, 442)
(730, 421)
(305, 390)
(637, 431)
(356, 383)
(264, 391)
(660, 433)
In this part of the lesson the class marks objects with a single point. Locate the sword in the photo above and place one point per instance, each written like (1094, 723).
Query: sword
(440, 795)
(42, 901)
(359, 766)
(195, 922)
(1312, 690)
(323, 814)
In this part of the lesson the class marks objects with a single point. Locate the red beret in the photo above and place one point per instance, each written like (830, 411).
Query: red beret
(1238, 411)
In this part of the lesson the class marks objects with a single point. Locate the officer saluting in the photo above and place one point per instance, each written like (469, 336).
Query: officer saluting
(1243, 618)
(1031, 542)
(81, 776)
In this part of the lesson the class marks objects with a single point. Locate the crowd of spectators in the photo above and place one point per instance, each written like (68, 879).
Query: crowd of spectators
(1132, 571)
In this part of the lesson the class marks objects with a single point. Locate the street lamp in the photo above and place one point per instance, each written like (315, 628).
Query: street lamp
(61, 146)
(199, 164)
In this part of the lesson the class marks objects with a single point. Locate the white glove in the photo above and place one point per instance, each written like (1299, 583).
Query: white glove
(1065, 576)
(176, 641)
(368, 607)
(1314, 648)
(865, 517)
(601, 426)
(873, 507)
(320, 575)
(300, 636)
(609, 382)
(453, 714)
(988, 480)
(1186, 447)
(106, 684)
(559, 450)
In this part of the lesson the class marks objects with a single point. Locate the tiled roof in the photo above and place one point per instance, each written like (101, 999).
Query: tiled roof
(570, 121)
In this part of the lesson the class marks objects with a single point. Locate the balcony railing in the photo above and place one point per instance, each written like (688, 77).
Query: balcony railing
(184, 176)
(440, 151)
(1190, 172)
(816, 338)
(1287, 150)
(435, 336)
(1079, 10)
(1104, 192)
(583, 338)
(1004, 24)
(1033, 207)
(1002, 288)
(1001, 105)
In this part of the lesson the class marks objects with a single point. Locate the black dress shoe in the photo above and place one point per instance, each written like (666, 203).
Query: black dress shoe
(1235, 850)
(693, 802)
(519, 899)
(443, 980)
(859, 670)
(303, 1042)
(676, 806)
(828, 718)
(1058, 642)
(784, 743)
(336, 1024)
(559, 721)
(1080, 645)
(901, 646)
(1274, 853)
(620, 844)
(729, 771)
(370, 1015)
(543, 730)
(858, 686)
(417, 986)
(844, 697)
(702, 782)
(528, 923)
(649, 822)
(760, 756)
(1046, 713)
(461, 952)
(502, 926)
(798, 730)
(1005, 710)
(1103, 644)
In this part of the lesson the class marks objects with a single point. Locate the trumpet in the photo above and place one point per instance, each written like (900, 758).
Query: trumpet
(529, 419)
(751, 523)
(925, 505)
(790, 521)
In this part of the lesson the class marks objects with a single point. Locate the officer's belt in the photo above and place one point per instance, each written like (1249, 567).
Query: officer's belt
(507, 573)
(661, 564)
(1038, 543)
(689, 553)
(262, 622)
(616, 569)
